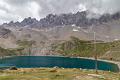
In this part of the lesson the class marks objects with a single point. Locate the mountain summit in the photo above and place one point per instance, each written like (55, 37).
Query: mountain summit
(77, 19)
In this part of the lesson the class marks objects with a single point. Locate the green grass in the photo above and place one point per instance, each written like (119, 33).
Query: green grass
(79, 48)
(76, 47)
(56, 74)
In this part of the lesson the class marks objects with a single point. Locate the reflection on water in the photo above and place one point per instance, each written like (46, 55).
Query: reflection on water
(50, 61)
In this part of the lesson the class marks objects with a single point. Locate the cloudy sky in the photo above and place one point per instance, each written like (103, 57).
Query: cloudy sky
(17, 10)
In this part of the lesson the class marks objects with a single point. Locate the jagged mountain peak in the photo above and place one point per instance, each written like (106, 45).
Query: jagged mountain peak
(28, 21)
(52, 20)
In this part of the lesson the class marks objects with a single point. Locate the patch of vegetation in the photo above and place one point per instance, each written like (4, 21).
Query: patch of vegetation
(76, 47)
(27, 45)
(24, 45)
(10, 52)
(59, 74)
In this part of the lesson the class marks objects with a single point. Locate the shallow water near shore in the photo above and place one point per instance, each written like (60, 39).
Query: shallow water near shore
(52, 61)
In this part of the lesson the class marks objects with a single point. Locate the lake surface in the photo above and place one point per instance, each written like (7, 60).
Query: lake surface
(51, 61)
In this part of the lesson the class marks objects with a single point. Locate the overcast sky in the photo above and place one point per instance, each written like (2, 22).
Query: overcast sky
(17, 10)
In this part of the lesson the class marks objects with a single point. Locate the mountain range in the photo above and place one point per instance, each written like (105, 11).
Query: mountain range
(53, 20)
(54, 28)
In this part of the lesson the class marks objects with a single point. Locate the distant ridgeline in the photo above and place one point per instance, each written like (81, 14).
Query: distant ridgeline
(77, 19)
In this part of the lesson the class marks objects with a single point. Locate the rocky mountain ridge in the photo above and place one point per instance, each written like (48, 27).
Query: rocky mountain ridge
(53, 20)
(61, 27)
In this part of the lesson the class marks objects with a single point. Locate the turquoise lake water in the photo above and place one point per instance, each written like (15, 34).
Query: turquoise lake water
(51, 61)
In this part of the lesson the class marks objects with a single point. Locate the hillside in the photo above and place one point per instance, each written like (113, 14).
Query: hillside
(56, 29)
(80, 48)
(7, 37)
(62, 26)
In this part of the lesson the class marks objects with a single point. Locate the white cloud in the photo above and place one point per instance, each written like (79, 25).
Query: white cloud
(34, 9)
(82, 7)
(10, 12)
(20, 9)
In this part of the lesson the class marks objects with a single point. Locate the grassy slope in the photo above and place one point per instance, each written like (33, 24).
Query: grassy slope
(56, 74)
(76, 47)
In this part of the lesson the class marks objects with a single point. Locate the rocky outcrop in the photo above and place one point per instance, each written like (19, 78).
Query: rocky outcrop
(4, 33)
